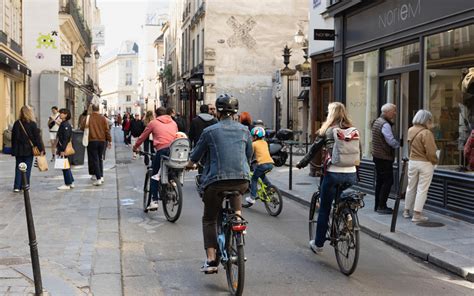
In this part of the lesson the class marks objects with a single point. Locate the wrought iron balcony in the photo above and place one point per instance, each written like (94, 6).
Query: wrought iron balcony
(70, 7)
(16, 47)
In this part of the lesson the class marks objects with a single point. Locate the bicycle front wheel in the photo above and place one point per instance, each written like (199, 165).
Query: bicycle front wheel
(347, 242)
(172, 200)
(274, 202)
(235, 267)
(313, 219)
(146, 192)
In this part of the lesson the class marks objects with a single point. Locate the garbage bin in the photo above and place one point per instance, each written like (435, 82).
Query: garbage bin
(7, 141)
(78, 157)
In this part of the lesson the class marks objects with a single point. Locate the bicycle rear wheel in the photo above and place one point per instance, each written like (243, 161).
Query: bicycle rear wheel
(235, 267)
(347, 242)
(172, 200)
(274, 202)
(313, 219)
(146, 192)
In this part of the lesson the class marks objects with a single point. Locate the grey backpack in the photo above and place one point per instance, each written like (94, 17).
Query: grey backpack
(346, 149)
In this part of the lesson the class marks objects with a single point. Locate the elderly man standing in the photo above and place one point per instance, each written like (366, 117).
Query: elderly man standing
(383, 152)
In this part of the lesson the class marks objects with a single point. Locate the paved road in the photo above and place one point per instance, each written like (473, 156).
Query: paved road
(160, 258)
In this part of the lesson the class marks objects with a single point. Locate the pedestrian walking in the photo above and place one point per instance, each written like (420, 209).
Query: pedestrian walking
(199, 123)
(246, 120)
(64, 137)
(99, 135)
(383, 153)
(148, 144)
(136, 129)
(180, 122)
(53, 124)
(126, 129)
(26, 143)
(422, 154)
(119, 119)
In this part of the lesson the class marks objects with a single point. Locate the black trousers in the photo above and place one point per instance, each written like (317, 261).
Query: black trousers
(95, 153)
(213, 204)
(383, 182)
(148, 147)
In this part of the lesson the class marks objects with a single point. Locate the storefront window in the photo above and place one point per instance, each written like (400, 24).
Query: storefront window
(449, 92)
(402, 56)
(11, 100)
(361, 95)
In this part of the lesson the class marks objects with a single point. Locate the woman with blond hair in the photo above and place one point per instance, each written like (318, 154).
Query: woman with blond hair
(26, 139)
(422, 149)
(148, 144)
(334, 175)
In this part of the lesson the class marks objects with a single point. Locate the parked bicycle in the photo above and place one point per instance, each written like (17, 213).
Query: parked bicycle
(171, 177)
(343, 228)
(270, 196)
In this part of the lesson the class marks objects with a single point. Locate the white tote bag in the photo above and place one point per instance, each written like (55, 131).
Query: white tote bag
(61, 164)
(85, 137)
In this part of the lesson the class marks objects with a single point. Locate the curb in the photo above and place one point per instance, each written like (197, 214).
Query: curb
(433, 254)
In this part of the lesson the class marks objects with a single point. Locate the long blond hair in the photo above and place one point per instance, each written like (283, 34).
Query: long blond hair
(337, 115)
(148, 117)
(26, 114)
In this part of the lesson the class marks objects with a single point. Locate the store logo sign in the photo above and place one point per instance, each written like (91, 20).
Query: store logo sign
(399, 15)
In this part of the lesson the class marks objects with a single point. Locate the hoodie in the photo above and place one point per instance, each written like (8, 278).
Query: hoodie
(164, 131)
(422, 145)
(198, 124)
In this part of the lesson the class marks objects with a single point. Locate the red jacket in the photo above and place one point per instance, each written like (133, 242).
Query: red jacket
(469, 151)
(164, 131)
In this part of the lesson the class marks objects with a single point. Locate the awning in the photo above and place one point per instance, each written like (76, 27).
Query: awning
(10, 62)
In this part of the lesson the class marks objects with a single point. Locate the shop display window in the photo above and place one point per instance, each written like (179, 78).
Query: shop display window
(449, 92)
(402, 56)
(361, 95)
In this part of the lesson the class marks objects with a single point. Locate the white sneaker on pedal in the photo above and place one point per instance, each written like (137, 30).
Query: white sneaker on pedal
(250, 200)
(97, 183)
(209, 267)
(153, 205)
(314, 248)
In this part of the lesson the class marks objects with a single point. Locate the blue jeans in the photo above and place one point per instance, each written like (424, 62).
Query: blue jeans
(156, 168)
(328, 192)
(68, 178)
(29, 163)
(259, 172)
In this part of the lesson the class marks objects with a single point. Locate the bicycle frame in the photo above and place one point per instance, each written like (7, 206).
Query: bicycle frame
(230, 223)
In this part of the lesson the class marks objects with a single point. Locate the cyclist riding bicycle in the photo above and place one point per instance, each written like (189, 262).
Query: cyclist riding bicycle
(226, 168)
(164, 131)
(334, 175)
(263, 159)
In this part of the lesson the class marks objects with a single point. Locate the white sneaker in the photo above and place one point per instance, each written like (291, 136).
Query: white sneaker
(102, 180)
(406, 214)
(72, 185)
(250, 200)
(64, 187)
(97, 183)
(93, 178)
(153, 205)
(16, 190)
(419, 218)
(314, 248)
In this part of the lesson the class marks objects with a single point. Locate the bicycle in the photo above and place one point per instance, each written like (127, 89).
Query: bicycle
(270, 196)
(343, 226)
(231, 241)
(170, 182)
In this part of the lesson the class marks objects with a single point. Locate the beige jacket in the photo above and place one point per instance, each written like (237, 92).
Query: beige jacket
(422, 144)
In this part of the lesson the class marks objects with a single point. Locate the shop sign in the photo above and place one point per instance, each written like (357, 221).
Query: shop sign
(305, 81)
(323, 34)
(195, 81)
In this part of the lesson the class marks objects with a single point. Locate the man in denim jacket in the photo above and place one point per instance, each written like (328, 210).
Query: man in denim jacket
(229, 148)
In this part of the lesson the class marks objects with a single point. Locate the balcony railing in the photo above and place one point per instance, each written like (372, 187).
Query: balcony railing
(199, 13)
(199, 69)
(70, 7)
(16, 47)
(3, 37)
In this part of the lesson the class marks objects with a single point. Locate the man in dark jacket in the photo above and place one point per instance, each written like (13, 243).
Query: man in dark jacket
(180, 122)
(199, 123)
(136, 128)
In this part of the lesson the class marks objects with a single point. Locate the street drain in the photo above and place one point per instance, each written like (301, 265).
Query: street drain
(304, 183)
(430, 224)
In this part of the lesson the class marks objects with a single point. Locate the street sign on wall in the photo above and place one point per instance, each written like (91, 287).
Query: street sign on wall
(67, 60)
(324, 34)
(98, 35)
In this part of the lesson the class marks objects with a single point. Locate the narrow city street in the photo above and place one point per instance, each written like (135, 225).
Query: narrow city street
(162, 258)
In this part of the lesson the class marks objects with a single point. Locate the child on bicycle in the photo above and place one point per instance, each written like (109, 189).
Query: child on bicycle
(264, 162)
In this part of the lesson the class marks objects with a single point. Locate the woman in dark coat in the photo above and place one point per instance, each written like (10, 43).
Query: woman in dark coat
(25, 133)
(64, 136)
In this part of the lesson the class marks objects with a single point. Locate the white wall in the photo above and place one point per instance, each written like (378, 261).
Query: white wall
(317, 21)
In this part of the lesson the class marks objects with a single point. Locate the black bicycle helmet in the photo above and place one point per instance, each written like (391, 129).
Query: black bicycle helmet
(227, 104)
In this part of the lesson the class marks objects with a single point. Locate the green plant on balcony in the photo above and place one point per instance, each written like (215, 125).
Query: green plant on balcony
(168, 73)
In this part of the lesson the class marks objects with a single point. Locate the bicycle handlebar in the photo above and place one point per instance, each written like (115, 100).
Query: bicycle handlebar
(146, 153)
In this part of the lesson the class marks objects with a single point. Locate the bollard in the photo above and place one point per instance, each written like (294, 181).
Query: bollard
(290, 176)
(31, 232)
(399, 195)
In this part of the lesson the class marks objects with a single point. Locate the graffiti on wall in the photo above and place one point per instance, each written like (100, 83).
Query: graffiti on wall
(241, 36)
(46, 41)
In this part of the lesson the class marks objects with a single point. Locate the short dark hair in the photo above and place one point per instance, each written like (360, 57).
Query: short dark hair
(204, 108)
(160, 111)
(67, 112)
(55, 108)
(170, 110)
(95, 107)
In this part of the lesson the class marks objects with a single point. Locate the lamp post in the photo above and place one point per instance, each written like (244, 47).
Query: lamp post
(287, 72)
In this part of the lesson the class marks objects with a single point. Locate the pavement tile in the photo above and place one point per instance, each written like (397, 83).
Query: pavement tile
(106, 284)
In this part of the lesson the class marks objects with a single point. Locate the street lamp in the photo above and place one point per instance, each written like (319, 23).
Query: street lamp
(96, 54)
(287, 72)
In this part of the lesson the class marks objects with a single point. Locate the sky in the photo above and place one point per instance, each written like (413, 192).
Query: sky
(123, 20)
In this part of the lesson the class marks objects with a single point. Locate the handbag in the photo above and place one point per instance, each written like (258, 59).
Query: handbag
(69, 149)
(61, 164)
(42, 163)
(85, 137)
(36, 151)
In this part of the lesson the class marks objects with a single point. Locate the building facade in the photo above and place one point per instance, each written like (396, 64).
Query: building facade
(60, 53)
(14, 74)
(118, 76)
(416, 54)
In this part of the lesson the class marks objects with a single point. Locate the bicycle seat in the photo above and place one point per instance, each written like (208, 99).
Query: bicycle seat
(229, 194)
